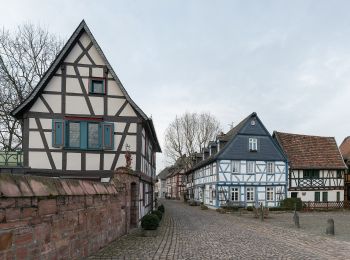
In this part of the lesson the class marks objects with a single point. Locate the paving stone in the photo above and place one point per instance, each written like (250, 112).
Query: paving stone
(191, 233)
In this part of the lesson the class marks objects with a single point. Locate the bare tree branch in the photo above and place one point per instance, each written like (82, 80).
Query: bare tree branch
(25, 55)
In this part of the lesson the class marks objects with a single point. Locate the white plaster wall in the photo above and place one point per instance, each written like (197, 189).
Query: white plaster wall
(48, 137)
(54, 84)
(108, 159)
(97, 104)
(96, 56)
(35, 140)
(76, 105)
(97, 72)
(113, 88)
(38, 160)
(39, 106)
(114, 105)
(32, 123)
(128, 111)
(85, 39)
(45, 123)
(74, 53)
(54, 102)
(310, 195)
(73, 86)
(73, 161)
(133, 128)
(83, 71)
(131, 141)
(92, 161)
(70, 70)
(85, 60)
(119, 127)
(57, 158)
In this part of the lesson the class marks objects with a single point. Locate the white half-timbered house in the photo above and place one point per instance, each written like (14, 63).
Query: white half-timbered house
(79, 121)
(244, 166)
(316, 167)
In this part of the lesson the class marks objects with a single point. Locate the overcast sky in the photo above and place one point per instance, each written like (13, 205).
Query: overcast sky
(287, 60)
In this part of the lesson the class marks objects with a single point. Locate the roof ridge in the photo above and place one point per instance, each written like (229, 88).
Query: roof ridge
(277, 132)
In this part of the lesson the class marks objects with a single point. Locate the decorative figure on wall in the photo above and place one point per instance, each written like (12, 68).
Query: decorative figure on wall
(128, 157)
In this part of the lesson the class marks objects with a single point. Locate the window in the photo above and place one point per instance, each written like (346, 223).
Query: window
(234, 194)
(294, 195)
(270, 167)
(250, 167)
(97, 86)
(83, 134)
(253, 144)
(235, 166)
(250, 194)
(311, 174)
(325, 196)
(339, 174)
(317, 196)
(269, 194)
(338, 195)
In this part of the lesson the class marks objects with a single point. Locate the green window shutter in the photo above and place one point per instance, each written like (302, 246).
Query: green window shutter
(58, 133)
(108, 136)
(325, 196)
(317, 196)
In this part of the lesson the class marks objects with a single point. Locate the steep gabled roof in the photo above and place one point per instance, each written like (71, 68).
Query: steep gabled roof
(310, 152)
(164, 173)
(345, 148)
(229, 138)
(28, 102)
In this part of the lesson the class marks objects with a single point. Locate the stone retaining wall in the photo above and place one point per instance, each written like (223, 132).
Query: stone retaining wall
(46, 218)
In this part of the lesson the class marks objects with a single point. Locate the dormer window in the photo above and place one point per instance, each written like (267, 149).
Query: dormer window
(253, 144)
(97, 86)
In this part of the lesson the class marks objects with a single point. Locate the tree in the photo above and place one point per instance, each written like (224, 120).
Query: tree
(25, 55)
(188, 134)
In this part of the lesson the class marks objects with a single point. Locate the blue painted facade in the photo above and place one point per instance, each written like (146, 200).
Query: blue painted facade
(248, 168)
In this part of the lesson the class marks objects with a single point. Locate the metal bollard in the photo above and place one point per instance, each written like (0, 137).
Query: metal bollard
(330, 227)
(296, 219)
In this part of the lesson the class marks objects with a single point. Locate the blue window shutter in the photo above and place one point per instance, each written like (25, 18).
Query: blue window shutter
(108, 136)
(57, 133)
(83, 135)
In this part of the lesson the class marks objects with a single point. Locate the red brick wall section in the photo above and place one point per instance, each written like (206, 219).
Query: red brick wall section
(46, 218)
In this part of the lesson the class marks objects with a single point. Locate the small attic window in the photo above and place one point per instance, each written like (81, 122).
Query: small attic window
(97, 86)
(252, 122)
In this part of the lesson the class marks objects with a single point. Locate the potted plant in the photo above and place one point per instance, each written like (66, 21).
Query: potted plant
(149, 224)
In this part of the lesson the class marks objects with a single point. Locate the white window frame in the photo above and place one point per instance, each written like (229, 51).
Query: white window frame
(237, 168)
(270, 169)
(252, 167)
(253, 144)
(234, 192)
(250, 191)
(270, 194)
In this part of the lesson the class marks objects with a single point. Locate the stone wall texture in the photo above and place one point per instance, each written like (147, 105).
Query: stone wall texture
(47, 218)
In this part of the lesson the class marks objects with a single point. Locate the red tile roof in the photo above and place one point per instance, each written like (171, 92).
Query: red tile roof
(345, 148)
(310, 152)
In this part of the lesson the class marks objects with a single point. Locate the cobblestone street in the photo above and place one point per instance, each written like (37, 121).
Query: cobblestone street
(191, 233)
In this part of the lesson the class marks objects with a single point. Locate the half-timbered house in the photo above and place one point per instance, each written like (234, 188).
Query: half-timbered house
(345, 151)
(316, 168)
(244, 166)
(79, 121)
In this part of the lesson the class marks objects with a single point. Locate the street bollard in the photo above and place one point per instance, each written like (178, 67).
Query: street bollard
(261, 212)
(296, 219)
(330, 227)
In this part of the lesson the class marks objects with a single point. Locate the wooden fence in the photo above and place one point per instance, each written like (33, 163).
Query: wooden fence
(311, 205)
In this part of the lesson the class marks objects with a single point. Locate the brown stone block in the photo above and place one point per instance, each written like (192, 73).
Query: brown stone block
(21, 253)
(7, 203)
(75, 187)
(5, 240)
(66, 187)
(29, 212)
(47, 207)
(25, 188)
(24, 239)
(8, 187)
(87, 187)
(100, 188)
(24, 202)
(12, 214)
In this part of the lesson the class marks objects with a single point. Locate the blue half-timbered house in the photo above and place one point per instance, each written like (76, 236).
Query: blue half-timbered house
(244, 166)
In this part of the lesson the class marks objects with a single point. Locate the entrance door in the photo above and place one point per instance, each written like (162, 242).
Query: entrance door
(133, 205)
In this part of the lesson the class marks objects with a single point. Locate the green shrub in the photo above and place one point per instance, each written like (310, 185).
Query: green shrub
(150, 222)
(158, 213)
(231, 208)
(289, 203)
(204, 207)
(250, 208)
(221, 210)
(161, 208)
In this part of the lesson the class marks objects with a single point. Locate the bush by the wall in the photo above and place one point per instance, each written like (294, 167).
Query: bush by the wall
(158, 213)
(250, 208)
(161, 208)
(150, 222)
(289, 203)
(204, 207)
